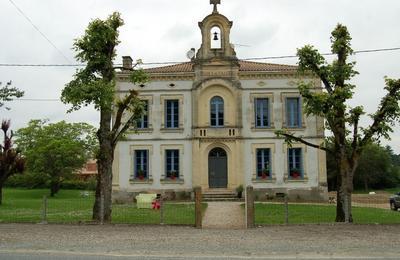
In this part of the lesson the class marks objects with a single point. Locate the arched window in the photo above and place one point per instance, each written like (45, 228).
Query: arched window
(215, 34)
(217, 112)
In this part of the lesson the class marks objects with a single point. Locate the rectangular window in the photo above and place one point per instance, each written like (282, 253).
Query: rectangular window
(295, 163)
(293, 112)
(264, 163)
(172, 113)
(172, 164)
(141, 160)
(261, 112)
(143, 123)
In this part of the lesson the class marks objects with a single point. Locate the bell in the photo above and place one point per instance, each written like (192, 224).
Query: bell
(215, 36)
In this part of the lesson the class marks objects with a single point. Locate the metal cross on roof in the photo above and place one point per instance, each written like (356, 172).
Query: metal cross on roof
(215, 3)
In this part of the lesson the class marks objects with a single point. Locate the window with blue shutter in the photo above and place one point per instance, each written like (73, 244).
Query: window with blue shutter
(172, 163)
(295, 163)
(264, 163)
(293, 112)
(217, 112)
(141, 166)
(172, 114)
(261, 112)
(143, 123)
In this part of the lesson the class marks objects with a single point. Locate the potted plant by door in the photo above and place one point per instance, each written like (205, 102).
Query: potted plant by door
(239, 191)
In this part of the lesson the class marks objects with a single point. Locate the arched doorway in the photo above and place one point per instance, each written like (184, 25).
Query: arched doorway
(217, 168)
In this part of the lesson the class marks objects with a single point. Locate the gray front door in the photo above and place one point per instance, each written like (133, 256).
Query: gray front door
(217, 168)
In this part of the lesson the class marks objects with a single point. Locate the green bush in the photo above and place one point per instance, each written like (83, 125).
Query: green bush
(28, 180)
(41, 181)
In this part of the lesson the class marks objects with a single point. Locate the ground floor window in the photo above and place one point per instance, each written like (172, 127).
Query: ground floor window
(263, 163)
(141, 160)
(172, 163)
(295, 163)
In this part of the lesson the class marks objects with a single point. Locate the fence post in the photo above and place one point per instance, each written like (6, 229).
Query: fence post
(101, 209)
(286, 209)
(161, 209)
(249, 207)
(197, 206)
(44, 210)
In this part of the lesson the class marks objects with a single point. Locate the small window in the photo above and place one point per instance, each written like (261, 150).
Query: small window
(295, 163)
(261, 112)
(172, 114)
(141, 164)
(172, 164)
(217, 112)
(143, 122)
(264, 163)
(293, 112)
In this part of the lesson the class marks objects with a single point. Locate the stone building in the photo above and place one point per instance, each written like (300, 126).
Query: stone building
(210, 122)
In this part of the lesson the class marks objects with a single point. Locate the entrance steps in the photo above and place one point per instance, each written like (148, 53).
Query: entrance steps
(219, 195)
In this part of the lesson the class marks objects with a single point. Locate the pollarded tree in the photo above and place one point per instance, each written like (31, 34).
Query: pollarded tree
(348, 137)
(56, 150)
(11, 161)
(95, 84)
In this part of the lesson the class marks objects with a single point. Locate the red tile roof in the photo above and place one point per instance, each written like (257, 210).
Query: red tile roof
(244, 66)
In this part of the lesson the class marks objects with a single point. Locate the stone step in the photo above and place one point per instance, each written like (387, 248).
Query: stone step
(219, 195)
(222, 199)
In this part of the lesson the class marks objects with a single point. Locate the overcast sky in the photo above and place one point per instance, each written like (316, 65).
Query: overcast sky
(164, 30)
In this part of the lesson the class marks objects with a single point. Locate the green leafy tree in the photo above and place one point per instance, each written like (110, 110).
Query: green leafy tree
(11, 161)
(349, 139)
(8, 93)
(95, 84)
(56, 150)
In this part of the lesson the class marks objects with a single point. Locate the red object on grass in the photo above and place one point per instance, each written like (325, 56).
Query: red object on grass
(155, 204)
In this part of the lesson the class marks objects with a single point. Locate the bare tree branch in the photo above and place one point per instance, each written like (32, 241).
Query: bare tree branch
(301, 140)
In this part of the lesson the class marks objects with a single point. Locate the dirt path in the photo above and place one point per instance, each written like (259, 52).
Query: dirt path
(223, 214)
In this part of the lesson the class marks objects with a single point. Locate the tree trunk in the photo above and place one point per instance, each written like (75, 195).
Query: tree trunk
(1, 193)
(104, 164)
(54, 188)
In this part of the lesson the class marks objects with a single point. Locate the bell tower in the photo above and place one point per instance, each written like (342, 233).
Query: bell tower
(215, 31)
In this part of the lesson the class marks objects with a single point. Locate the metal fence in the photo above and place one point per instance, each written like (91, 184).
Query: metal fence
(365, 210)
(24, 206)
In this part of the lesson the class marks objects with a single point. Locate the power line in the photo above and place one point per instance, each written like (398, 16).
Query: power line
(177, 62)
(37, 29)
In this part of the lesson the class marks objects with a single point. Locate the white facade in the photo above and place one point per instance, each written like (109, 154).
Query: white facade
(238, 138)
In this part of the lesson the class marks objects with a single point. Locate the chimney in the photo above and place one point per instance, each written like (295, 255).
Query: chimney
(126, 62)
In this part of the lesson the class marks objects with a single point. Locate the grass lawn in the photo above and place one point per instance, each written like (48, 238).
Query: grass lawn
(69, 206)
(304, 213)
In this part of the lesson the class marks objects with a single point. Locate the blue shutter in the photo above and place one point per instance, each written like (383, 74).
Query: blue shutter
(143, 122)
(217, 111)
(293, 112)
(261, 112)
(141, 163)
(295, 163)
(171, 163)
(263, 161)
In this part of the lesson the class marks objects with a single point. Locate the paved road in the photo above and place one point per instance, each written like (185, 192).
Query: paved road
(23, 241)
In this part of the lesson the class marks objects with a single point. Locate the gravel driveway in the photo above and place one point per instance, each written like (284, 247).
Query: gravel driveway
(300, 241)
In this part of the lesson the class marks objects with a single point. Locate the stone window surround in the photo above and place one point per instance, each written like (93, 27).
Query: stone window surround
(163, 99)
(163, 178)
(304, 162)
(132, 149)
(284, 96)
(271, 117)
(254, 148)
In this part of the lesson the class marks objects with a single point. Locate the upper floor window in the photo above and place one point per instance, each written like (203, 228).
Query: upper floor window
(217, 111)
(172, 163)
(141, 164)
(172, 113)
(144, 120)
(263, 163)
(293, 112)
(261, 112)
(295, 163)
